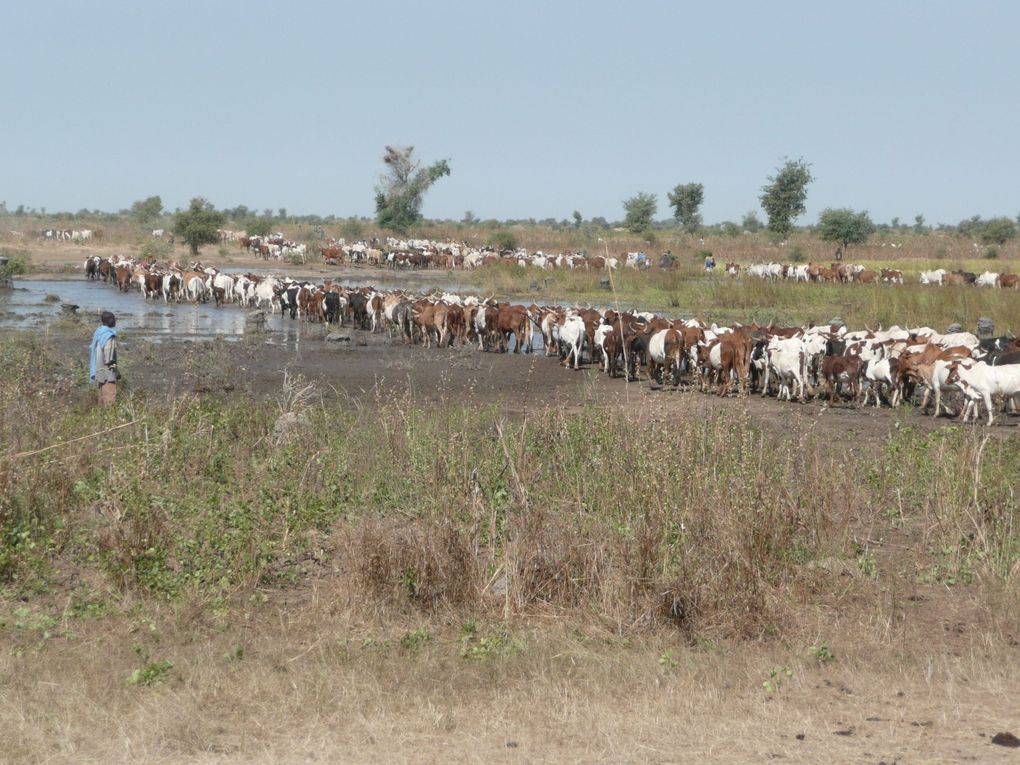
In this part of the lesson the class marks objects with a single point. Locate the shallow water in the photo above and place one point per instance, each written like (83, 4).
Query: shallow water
(26, 307)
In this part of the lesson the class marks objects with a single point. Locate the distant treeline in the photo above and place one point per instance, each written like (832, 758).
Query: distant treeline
(242, 216)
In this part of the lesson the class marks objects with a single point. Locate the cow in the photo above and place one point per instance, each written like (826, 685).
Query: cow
(571, 339)
(892, 276)
(665, 354)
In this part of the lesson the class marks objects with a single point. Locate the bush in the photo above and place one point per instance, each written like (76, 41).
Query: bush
(259, 226)
(940, 253)
(797, 254)
(503, 240)
(17, 263)
(991, 252)
(352, 230)
(156, 248)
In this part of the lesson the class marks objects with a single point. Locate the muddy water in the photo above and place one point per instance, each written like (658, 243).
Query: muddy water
(34, 304)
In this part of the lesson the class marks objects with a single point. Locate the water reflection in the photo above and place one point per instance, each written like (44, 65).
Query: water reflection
(27, 307)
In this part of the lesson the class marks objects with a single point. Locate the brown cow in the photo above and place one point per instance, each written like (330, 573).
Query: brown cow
(867, 277)
(1009, 281)
(513, 320)
(892, 276)
(123, 278)
(423, 317)
(152, 286)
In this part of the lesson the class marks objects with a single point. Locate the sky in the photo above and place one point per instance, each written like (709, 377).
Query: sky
(541, 108)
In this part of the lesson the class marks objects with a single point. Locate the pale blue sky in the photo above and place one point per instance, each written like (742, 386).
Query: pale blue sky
(541, 107)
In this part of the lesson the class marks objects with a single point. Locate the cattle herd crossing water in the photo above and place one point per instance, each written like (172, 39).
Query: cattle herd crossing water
(850, 367)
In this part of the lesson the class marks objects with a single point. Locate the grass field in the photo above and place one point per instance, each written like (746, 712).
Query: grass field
(688, 293)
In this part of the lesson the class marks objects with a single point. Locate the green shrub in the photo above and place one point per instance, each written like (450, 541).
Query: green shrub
(503, 240)
(991, 252)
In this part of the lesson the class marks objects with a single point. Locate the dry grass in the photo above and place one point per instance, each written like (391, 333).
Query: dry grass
(405, 583)
(296, 680)
(687, 293)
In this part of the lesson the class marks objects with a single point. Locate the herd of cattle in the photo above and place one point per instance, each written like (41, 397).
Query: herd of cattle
(852, 273)
(793, 363)
(69, 235)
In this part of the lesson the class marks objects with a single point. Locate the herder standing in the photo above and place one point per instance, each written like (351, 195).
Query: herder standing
(103, 359)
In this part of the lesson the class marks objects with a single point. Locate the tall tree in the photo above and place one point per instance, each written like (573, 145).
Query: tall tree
(640, 209)
(844, 227)
(198, 224)
(783, 197)
(686, 201)
(401, 190)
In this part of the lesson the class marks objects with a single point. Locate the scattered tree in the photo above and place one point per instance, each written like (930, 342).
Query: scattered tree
(970, 226)
(844, 227)
(469, 218)
(751, 222)
(997, 231)
(401, 190)
(198, 224)
(259, 226)
(919, 227)
(577, 219)
(147, 211)
(640, 210)
(783, 197)
(686, 200)
(729, 228)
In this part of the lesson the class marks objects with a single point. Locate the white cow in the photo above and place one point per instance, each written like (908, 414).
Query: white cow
(571, 338)
(987, 279)
(933, 277)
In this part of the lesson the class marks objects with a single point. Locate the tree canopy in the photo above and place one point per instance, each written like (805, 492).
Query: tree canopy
(997, 231)
(148, 210)
(640, 210)
(783, 197)
(686, 199)
(844, 227)
(259, 226)
(198, 224)
(401, 189)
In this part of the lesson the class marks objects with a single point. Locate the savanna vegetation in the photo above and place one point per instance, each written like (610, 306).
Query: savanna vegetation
(173, 561)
